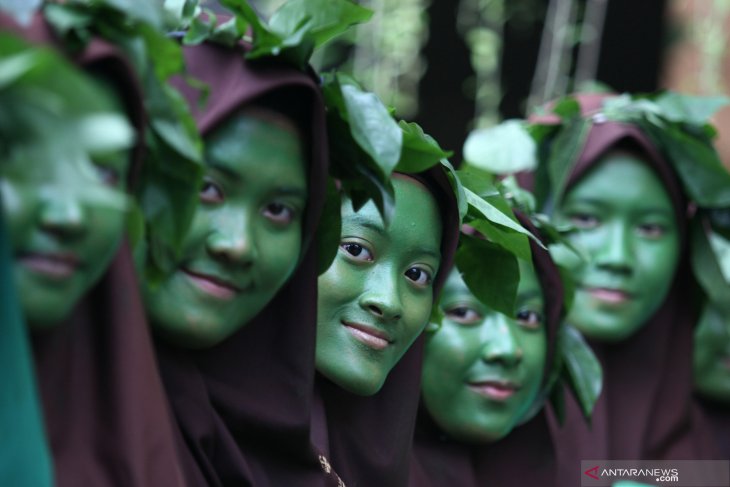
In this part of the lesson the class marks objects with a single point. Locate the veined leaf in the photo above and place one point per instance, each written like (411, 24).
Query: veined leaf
(585, 375)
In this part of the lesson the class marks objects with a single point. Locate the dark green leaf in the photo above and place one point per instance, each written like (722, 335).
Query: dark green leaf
(567, 108)
(696, 161)
(491, 273)
(328, 236)
(478, 181)
(420, 150)
(513, 242)
(503, 149)
(200, 29)
(228, 33)
(146, 11)
(706, 266)
(584, 372)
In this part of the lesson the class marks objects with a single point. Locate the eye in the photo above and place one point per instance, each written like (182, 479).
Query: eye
(279, 213)
(651, 230)
(357, 251)
(529, 319)
(463, 315)
(419, 276)
(584, 221)
(109, 176)
(211, 192)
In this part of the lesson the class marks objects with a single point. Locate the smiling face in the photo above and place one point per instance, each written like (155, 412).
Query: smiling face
(626, 226)
(245, 239)
(376, 297)
(482, 370)
(65, 207)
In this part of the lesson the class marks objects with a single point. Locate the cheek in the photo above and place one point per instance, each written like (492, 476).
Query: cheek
(19, 208)
(416, 311)
(278, 254)
(340, 285)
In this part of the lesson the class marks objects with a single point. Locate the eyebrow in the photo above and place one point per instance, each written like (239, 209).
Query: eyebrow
(530, 294)
(366, 222)
(279, 191)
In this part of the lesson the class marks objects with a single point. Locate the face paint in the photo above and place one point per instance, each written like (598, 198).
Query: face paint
(246, 237)
(626, 226)
(482, 370)
(712, 353)
(65, 207)
(376, 297)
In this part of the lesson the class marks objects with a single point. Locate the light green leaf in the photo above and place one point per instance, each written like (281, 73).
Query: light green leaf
(320, 20)
(691, 109)
(503, 149)
(104, 132)
(495, 215)
(458, 188)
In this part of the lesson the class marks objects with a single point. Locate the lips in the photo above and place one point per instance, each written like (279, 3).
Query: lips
(212, 285)
(608, 295)
(57, 265)
(369, 335)
(496, 390)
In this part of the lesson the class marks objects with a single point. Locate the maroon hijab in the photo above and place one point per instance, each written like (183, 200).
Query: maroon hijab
(243, 406)
(526, 455)
(104, 407)
(368, 440)
(645, 410)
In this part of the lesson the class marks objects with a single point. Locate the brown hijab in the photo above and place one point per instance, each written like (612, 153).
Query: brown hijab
(104, 407)
(645, 410)
(368, 440)
(243, 406)
(526, 455)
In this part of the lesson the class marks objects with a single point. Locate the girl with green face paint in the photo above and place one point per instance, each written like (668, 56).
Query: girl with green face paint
(374, 301)
(65, 201)
(486, 374)
(635, 296)
(235, 319)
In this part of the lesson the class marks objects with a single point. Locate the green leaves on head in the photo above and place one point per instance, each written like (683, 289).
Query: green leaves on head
(582, 374)
(503, 149)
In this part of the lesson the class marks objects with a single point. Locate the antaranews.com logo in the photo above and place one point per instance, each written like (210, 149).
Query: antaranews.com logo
(684, 473)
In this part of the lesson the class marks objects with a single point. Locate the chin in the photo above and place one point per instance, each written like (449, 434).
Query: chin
(358, 384)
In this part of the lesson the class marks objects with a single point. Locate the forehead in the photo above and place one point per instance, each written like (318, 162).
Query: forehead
(621, 178)
(416, 219)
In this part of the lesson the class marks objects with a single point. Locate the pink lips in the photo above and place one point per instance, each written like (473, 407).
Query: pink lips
(368, 335)
(213, 286)
(495, 390)
(55, 265)
(607, 295)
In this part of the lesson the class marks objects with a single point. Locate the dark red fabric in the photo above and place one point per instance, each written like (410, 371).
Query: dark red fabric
(243, 407)
(526, 455)
(645, 410)
(105, 411)
(368, 440)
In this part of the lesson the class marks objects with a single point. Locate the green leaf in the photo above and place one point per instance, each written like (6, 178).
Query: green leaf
(690, 109)
(373, 128)
(458, 188)
(200, 29)
(228, 33)
(696, 161)
(567, 108)
(490, 272)
(706, 266)
(515, 243)
(420, 150)
(584, 372)
(320, 20)
(477, 180)
(328, 236)
(495, 215)
(503, 149)
(567, 146)
(149, 12)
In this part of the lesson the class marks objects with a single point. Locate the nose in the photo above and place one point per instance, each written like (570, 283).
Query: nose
(63, 215)
(500, 344)
(232, 239)
(616, 253)
(382, 298)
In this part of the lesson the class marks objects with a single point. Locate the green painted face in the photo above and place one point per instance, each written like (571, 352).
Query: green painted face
(376, 297)
(482, 370)
(712, 353)
(65, 207)
(246, 236)
(627, 228)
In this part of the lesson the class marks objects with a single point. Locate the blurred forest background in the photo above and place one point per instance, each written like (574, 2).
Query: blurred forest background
(453, 65)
